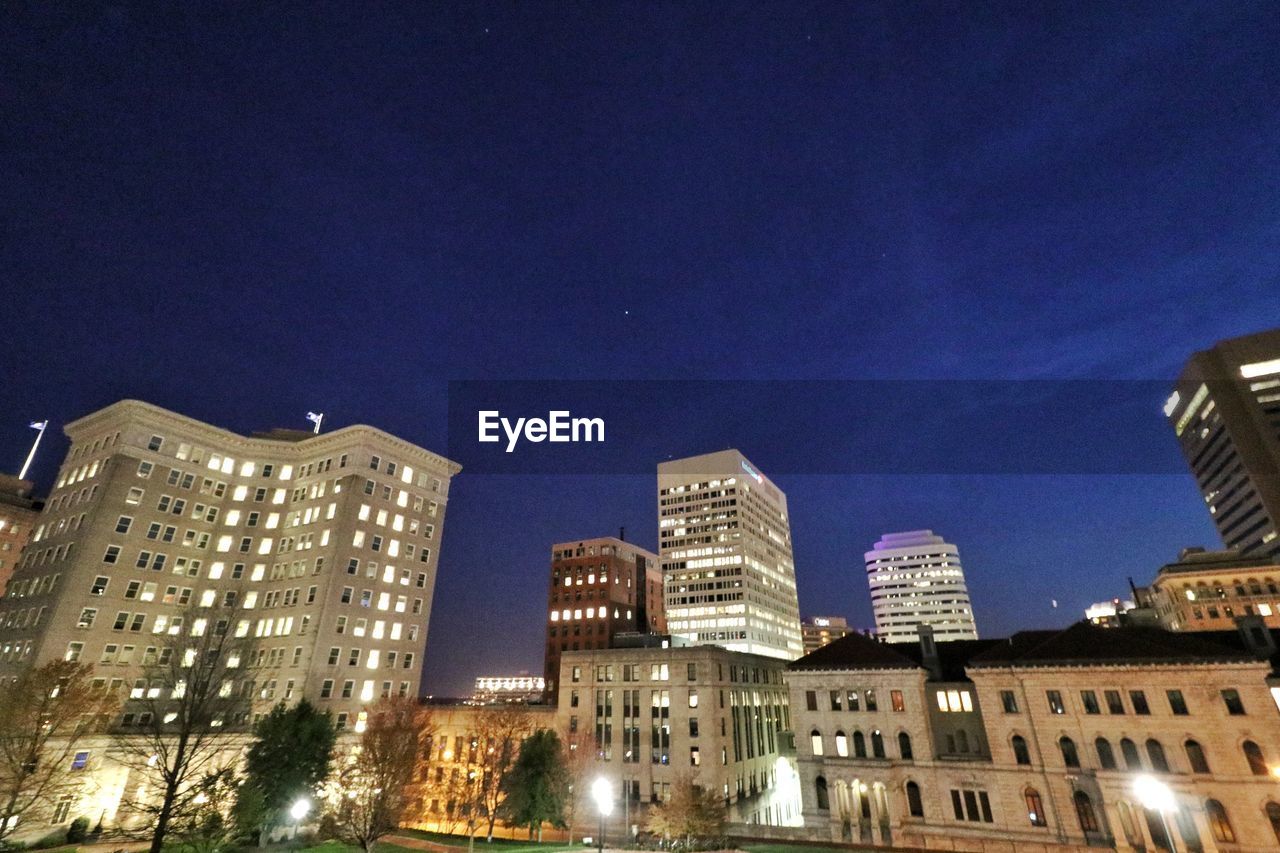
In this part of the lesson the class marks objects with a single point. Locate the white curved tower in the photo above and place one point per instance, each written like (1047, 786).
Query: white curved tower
(916, 579)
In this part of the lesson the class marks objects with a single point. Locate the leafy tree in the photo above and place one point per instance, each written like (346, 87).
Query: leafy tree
(289, 758)
(537, 783)
(691, 814)
(190, 696)
(44, 716)
(375, 783)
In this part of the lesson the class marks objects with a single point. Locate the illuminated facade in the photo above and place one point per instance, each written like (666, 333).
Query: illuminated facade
(817, 631)
(503, 689)
(916, 579)
(1210, 590)
(1108, 614)
(599, 588)
(1225, 411)
(322, 548)
(1041, 741)
(657, 713)
(724, 537)
(18, 512)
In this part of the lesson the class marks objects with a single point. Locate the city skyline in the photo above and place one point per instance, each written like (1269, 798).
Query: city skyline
(245, 219)
(457, 680)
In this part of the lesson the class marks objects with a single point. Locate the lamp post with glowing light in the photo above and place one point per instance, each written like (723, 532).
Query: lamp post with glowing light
(1157, 796)
(602, 793)
(298, 811)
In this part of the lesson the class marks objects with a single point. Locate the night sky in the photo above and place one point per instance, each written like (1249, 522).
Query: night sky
(245, 211)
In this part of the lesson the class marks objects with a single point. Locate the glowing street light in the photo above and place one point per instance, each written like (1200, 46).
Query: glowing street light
(1158, 797)
(298, 811)
(602, 793)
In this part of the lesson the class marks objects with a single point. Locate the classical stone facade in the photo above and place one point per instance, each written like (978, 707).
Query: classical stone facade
(105, 779)
(321, 548)
(1037, 741)
(455, 749)
(1209, 590)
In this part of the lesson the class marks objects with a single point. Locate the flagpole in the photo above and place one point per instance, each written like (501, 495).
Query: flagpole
(40, 428)
(319, 418)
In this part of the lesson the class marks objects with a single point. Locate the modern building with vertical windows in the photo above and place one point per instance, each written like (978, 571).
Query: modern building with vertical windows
(657, 713)
(724, 537)
(916, 579)
(599, 588)
(1225, 412)
(321, 548)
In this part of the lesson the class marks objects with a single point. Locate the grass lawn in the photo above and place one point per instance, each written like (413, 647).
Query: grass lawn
(338, 847)
(504, 845)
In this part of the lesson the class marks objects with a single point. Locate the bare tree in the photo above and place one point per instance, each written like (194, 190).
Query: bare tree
(499, 731)
(466, 789)
(460, 790)
(379, 780)
(207, 827)
(580, 761)
(44, 716)
(191, 694)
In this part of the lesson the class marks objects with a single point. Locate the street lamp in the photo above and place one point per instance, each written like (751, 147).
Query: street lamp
(298, 811)
(602, 793)
(1157, 796)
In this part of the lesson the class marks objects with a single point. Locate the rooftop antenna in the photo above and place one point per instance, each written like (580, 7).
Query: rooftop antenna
(622, 533)
(315, 418)
(40, 427)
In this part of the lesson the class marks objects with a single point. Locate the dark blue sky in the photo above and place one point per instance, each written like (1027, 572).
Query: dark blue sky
(243, 212)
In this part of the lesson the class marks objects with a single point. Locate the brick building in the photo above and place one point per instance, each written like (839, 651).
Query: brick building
(18, 512)
(599, 588)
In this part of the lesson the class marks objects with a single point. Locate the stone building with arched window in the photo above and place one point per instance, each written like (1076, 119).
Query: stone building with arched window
(1049, 740)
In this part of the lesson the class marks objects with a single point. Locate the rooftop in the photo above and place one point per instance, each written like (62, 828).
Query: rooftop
(1081, 644)
(1200, 560)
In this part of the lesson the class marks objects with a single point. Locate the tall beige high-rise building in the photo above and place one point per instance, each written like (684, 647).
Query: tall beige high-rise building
(724, 539)
(323, 548)
(1225, 411)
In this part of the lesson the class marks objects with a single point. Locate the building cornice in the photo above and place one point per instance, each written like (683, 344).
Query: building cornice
(226, 441)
